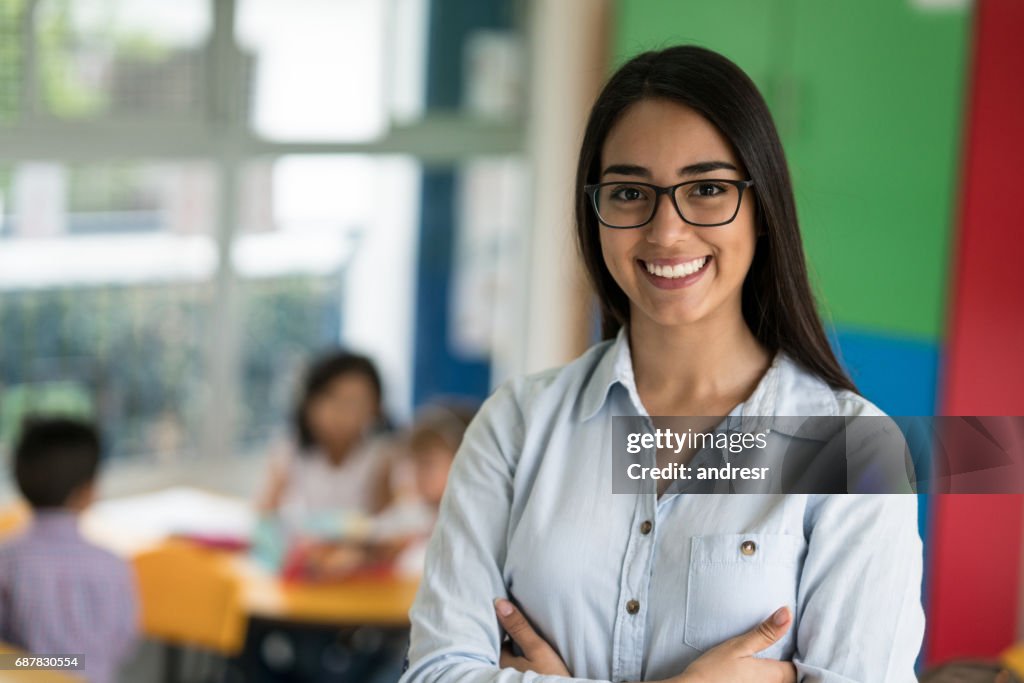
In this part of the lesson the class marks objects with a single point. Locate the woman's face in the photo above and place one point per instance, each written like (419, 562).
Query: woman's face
(664, 143)
(343, 411)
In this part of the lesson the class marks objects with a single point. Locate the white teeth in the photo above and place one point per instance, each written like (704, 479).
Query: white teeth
(678, 270)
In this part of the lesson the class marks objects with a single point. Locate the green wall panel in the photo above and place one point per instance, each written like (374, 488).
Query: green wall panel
(867, 95)
(655, 24)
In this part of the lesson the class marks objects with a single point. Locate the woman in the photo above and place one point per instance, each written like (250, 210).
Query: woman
(687, 225)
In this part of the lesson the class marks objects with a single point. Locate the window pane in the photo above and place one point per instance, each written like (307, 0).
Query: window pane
(302, 214)
(12, 14)
(491, 208)
(319, 67)
(288, 320)
(124, 59)
(326, 255)
(105, 294)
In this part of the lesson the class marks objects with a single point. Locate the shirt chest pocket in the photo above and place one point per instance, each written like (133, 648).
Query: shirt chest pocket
(736, 581)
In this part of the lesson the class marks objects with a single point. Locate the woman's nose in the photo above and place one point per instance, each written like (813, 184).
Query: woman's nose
(667, 227)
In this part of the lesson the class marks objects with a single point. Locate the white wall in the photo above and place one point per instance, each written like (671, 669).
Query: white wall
(549, 313)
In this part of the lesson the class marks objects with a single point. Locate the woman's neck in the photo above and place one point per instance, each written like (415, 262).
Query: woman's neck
(705, 368)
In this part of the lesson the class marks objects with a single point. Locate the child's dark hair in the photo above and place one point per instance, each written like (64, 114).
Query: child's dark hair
(54, 457)
(319, 376)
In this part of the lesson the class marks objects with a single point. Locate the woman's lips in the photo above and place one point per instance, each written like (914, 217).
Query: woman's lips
(674, 273)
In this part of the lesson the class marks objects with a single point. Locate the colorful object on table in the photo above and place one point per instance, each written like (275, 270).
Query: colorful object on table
(334, 525)
(312, 546)
(319, 562)
(269, 544)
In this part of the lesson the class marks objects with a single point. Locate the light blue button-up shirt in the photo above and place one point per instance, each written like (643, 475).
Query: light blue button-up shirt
(529, 514)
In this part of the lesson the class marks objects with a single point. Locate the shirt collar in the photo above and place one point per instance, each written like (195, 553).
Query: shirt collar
(615, 366)
(54, 523)
(787, 389)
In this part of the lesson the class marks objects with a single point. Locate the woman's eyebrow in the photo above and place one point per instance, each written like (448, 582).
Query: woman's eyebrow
(692, 169)
(627, 169)
(705, 166)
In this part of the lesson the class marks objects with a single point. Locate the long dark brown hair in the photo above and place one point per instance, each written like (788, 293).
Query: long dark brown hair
(778, 305)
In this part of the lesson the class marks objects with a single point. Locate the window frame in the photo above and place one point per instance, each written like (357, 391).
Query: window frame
(222, 135)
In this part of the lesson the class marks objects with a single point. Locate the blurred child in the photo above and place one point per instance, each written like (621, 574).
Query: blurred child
(395, 543)
(335, 465)
(434, 439)
(398, 535)
(58, 593)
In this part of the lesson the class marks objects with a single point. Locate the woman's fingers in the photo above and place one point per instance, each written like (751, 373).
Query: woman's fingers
(769, 671)
(765, 634)
(519, 630)
(734, 660)
(763, 671)
(508, 660)
(538, 656)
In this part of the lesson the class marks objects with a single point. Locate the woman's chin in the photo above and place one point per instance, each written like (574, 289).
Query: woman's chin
(679, 318)
(687, 311)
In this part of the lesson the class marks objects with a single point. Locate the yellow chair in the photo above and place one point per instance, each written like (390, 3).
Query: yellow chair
(190, 597)
(1013, 659)
(13, 518)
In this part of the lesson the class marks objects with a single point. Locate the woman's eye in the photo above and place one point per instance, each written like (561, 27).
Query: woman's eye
(706, 190)
(627, 193)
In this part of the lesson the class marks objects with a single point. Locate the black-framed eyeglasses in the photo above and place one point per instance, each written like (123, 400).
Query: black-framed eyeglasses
(706, 203)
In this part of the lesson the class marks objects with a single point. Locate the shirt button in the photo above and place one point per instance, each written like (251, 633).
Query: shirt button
(633, 606)
(748, 547)
(646, 527)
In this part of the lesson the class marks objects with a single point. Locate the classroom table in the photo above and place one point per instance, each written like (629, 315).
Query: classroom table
(132, 525)
(355, 602)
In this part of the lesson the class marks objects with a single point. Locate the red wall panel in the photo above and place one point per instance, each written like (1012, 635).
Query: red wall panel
(975, 572)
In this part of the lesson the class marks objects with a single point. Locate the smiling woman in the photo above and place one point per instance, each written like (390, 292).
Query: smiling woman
(687, 227)
(703, 269)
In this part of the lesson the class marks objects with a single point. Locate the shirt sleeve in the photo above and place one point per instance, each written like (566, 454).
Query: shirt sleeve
(860, 617)
(5, 595)
(879, 457)
(125, 630)
(455, 633)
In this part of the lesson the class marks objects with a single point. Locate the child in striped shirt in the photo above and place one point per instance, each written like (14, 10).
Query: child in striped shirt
(59, 594)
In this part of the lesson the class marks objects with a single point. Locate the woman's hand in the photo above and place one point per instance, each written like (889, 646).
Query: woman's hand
(538, 656)
(733, 660)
